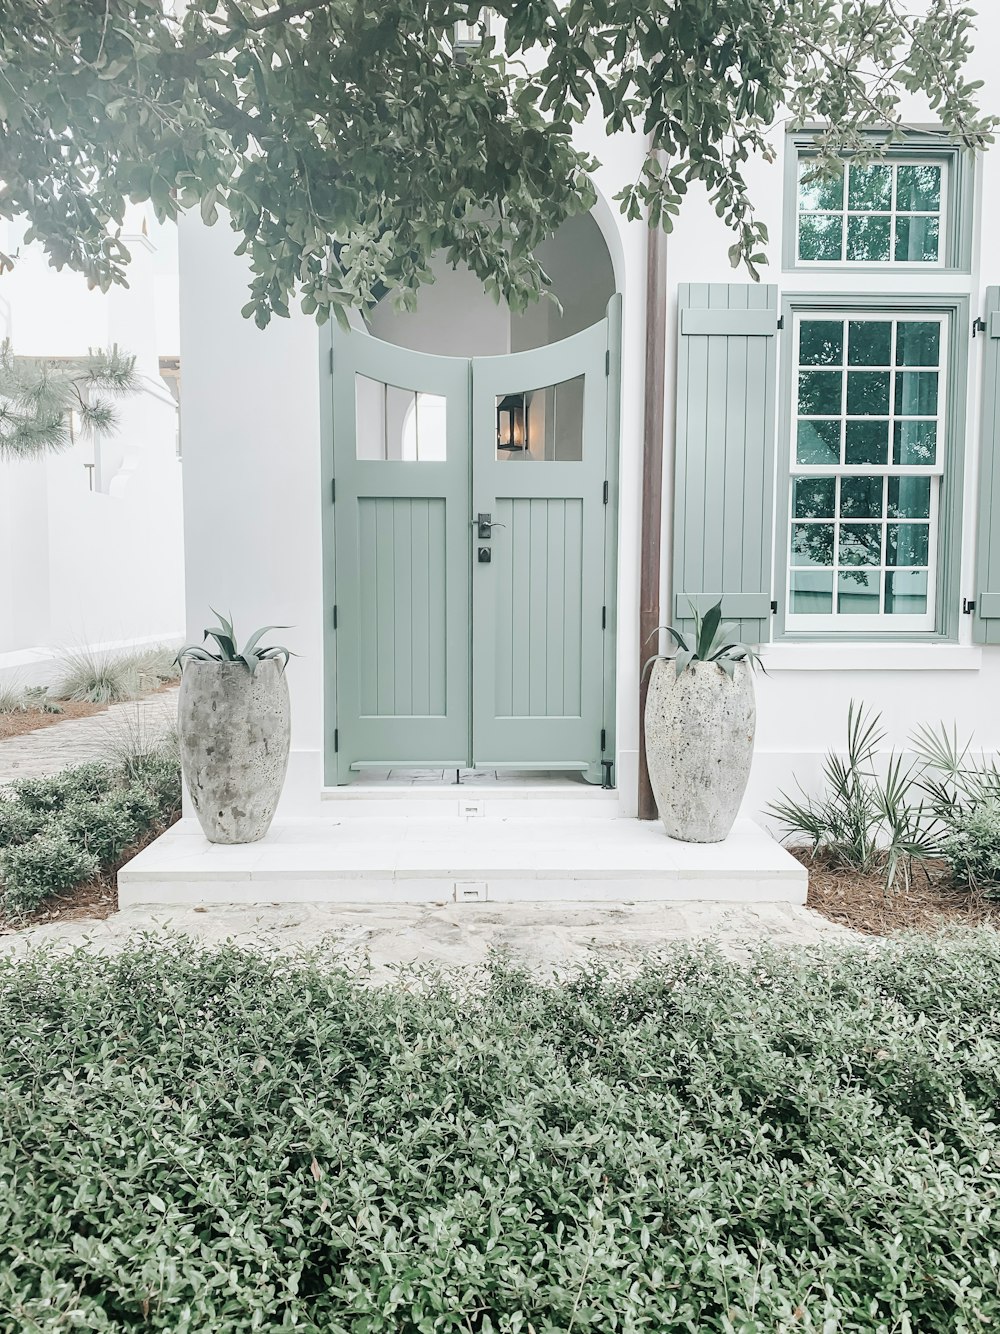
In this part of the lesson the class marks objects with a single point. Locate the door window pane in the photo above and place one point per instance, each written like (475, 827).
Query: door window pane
(542, 425)
(395, 425)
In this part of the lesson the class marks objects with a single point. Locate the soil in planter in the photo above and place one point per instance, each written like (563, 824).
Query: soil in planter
(862, 903)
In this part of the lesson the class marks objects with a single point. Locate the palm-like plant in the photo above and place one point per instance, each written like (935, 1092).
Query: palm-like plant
(712, 641)
(39, 398)
(251, 654)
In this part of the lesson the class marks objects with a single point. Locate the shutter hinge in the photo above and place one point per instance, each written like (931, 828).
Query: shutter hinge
(781, 321)
(978, 325)
(604, 618)
(968, 607)
(607, 492)
(604, 739)
(336, 739)
(331, 360)
(774, 608)
(335, 616)
(333, 490)
(607, 362)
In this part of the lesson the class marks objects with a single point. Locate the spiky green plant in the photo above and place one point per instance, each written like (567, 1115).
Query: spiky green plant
(39, 398)
(712, 641)
(87, 675)
(251, 654)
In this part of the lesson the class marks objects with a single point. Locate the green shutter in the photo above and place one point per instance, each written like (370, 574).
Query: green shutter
(724, 461)
(986, 625)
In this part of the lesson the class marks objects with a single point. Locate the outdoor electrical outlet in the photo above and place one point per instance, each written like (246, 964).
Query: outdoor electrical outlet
(470, 891)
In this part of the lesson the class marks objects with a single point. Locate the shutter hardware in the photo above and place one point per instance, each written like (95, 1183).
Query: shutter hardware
(336, 740)
(978, 325)
(781, 321)
(968, 607)
(774, 608)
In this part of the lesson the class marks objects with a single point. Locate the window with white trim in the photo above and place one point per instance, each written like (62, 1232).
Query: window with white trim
(867, 459)
(892, 212)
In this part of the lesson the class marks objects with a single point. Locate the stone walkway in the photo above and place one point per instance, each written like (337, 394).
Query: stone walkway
(79, 740)
(546, 938)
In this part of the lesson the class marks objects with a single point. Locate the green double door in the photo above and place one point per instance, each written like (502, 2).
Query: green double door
(470, 556)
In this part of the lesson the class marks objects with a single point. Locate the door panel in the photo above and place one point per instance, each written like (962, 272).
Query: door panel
(402, 548)
(538, 676)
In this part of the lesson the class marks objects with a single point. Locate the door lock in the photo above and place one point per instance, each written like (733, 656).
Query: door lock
(485, 555)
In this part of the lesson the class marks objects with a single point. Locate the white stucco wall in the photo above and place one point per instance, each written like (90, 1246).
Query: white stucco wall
(83, 566)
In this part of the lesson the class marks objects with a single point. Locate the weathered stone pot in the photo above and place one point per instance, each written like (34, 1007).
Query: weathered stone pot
(234, 731)
(699, 746)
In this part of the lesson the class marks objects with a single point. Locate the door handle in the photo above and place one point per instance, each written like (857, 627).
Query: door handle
(484, 524)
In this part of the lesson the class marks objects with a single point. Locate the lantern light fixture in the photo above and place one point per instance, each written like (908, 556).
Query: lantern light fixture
(512, 423)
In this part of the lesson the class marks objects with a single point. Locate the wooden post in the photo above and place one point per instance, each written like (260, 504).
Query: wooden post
(652, 483)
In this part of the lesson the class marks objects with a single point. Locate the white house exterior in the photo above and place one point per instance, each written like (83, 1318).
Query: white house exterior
(893, 542)
(90, 538)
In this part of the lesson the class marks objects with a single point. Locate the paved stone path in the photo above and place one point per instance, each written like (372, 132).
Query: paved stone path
(546, 938)
(79, 740)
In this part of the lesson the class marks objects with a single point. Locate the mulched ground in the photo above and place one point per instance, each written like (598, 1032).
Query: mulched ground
(95, 898)
(862, 902)
(30, 720)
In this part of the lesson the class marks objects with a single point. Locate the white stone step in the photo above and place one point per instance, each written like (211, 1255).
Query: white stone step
(434, 800)
(403, 860)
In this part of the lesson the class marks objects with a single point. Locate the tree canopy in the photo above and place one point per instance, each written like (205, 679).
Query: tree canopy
(349, 140)
(41, 397)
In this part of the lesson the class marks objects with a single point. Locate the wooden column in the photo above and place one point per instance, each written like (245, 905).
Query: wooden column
(652, 483)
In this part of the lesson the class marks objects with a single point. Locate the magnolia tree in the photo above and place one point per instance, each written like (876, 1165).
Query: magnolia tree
(351, 140)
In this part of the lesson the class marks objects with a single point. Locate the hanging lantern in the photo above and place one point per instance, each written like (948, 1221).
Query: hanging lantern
(512, 423)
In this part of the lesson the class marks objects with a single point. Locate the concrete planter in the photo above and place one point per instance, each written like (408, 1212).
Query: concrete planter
(699, 747)
(235, 731)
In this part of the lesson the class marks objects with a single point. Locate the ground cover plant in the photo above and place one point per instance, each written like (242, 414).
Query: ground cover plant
(224, 1141)
(64, 830)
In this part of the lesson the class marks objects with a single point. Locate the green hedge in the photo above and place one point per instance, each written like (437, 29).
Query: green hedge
(59, 831)
(228, 1142)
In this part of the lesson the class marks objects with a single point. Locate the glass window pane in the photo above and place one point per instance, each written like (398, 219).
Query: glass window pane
(812, 544)
(543, 425)
(811, 592)
(918, 188)
(917, 240)
(814, 497)
(819, 192)
(861, 498)
(915, 444)
(869, 187)
(906, 544)
(394, 425)
(869, 343)
(866, 442)
(819, 393)
(818, 442)
(858, 593)
(906, 592)
(916, 393)
(868, 238)
(821, 343)
(909, 497)
(821, 236)
(861, 544)
(918, 343)
(867, 393)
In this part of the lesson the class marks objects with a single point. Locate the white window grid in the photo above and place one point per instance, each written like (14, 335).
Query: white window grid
(868, 623)
(892, 213)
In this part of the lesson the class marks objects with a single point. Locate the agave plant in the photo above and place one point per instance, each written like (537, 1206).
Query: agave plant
(712, 641)
(251, 654)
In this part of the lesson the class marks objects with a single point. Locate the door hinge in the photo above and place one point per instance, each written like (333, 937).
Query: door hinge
(607, 362)
(335, 616)
(968, 607)
(331, 360)
(774, 608)
(604, 618)
(333, 491)
(336, 739)
(781, 321)
(978, 325)
(607, 492)
(604, 739)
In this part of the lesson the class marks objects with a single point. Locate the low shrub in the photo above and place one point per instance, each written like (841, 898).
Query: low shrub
(48, 863)
(112, 678)
(972, 849)
(84, 782)
(224, 1141)
(19, 822)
